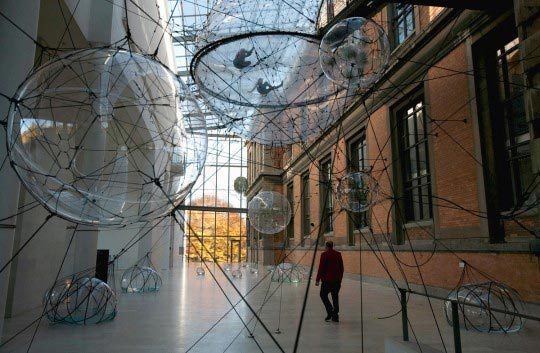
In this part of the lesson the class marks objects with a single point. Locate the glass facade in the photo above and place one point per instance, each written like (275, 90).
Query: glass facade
(215, 214)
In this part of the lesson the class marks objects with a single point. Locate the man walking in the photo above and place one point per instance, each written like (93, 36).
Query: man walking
(330, 273)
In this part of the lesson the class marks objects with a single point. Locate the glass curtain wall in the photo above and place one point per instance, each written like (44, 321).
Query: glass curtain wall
(215, 214)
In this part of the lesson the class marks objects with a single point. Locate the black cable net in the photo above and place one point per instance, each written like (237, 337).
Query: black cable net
(272, 41)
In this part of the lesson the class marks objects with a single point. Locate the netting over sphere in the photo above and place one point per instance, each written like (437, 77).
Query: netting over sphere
(138, 279)
(357, 192)
(487, 295)
(200, 271)
(259, 71)
(106, 137)
(269, 212)
(288, 273)
(240, 184)
(354, 52)
(80, 300)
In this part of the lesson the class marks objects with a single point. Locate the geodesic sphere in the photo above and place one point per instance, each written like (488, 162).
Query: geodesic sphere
(200, 271)
(269, 212)
(137, 279)
(487, 296)
(80, 300)
(354, 52)
(357, 192)
(106, 137)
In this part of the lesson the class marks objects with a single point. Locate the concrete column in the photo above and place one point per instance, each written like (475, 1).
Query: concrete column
(16, 60)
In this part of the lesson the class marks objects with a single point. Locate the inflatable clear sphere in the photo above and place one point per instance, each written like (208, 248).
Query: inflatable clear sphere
(487, 296)
(106, 137)
(269, 212)
(357, 192)
(236, 274)
(254, 270)
(241, 184)
(200, 271)
(80, 300)
(227, 267)
(354, 52)
(257, 66)
(287, 272)
(139, 279)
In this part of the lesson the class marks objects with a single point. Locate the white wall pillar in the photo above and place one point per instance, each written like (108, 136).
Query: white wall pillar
(16, 60)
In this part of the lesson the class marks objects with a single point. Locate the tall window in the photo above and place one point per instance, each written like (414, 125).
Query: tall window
(306, 219)
(516, 144)
(290, 198)
(358, 162)
(402, 21)
(325, 192)
(414, 154)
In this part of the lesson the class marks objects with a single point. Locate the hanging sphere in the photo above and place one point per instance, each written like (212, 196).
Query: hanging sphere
(357, 192)
(269, 212)
(487, 296)
(354, 52)
(200, 271)
(80, 300)
(240, 184)
(106, 137)
(254, 270)
(227, 267)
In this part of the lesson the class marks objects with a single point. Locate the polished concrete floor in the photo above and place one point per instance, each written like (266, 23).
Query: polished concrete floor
(176, 319)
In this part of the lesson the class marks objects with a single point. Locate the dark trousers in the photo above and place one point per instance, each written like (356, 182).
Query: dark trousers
(331, 288)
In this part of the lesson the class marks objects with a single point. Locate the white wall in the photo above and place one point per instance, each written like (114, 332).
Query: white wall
(15, 61)
(25, 281)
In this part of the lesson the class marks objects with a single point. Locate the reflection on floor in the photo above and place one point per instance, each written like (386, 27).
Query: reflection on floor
(175, 318)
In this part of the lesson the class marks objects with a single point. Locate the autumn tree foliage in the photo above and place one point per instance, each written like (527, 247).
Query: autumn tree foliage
(222, 233)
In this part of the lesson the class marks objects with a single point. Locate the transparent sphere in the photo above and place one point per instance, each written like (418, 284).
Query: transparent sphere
(254, 270)
(200, 271)
(80, 300)
(487, 296)
(354, 52)
(236, 274)
(106, 137)
(227, 267)
(240, 184)
(357, 192)
(139, 279)
(269, 212)
(288, 273)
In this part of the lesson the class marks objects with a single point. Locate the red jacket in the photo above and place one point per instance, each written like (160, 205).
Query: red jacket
(330, 266)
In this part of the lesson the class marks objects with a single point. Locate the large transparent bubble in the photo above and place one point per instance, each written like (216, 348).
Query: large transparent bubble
(139, 279)
(354, 52)
(257, 67)
(357, 192)
(106, 137)
(485, 298)
(80, 300)
(269, 212)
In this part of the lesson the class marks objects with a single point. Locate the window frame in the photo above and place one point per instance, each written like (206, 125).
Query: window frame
(398, 13)
(305, 206)
(357, 162)
(414, 179)
(290, 198)
(327, 208)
